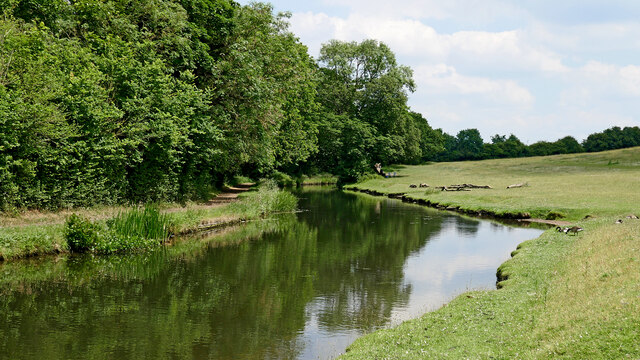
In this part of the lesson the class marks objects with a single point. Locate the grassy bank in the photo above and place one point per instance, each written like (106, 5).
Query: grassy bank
(604, 184)
(118, 229)
(564, 296)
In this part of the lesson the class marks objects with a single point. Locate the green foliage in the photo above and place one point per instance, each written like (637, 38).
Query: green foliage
(282, 179)
(112, 243)
(142, 222)
(81, 234)
(139, 228)
(613, 138)
(363, 83)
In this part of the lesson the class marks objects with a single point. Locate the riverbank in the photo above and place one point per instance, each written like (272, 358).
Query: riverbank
(561, 296)
(35, 233)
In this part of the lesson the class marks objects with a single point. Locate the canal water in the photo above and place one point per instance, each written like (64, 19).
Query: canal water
(295, 286)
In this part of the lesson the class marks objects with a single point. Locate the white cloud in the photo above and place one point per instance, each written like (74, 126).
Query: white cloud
(504, 69)
(412, 38)
(471, 12)
(621, 79)
(442, 78)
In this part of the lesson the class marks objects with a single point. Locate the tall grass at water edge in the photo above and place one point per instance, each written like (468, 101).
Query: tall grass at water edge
(267, 199)
(138, 228)
(146, 222)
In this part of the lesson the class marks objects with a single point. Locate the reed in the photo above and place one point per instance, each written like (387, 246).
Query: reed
(145, 222)
(268, 199)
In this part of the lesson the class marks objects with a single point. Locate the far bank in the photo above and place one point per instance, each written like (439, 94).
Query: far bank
(565, 296)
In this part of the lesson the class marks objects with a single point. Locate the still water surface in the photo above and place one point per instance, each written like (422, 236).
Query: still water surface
(298, 286)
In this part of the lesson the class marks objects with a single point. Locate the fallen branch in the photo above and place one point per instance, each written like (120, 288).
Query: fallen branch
(471, 186)
(517, 185)
(451, 188)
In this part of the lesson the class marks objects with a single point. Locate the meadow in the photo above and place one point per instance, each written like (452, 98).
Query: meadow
(561, 296)
(571, 186)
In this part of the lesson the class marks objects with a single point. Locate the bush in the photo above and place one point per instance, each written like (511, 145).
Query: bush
(80, 233)
(283, 179)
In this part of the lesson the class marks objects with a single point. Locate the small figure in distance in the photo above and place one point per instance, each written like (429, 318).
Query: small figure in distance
(413, 186)
(423, 185)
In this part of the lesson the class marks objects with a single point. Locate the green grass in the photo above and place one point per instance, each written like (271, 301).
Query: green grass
(26, 241)
(268, 199)
(570, 185)
(146, 222)
(569, 297)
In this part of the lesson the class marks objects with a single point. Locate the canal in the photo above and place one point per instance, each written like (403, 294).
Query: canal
(294, 286)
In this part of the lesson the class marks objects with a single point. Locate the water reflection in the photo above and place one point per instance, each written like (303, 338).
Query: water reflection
(297, 286)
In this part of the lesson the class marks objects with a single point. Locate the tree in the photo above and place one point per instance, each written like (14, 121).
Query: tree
(613, 138)
(265, 95)
(469, 144)
(363, 81)
(431, 141)
(569, 145)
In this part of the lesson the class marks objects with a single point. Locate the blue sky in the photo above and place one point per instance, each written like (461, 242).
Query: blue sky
(536, 68)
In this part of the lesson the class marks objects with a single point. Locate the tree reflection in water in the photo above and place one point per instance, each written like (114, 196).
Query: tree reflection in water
(276, 286)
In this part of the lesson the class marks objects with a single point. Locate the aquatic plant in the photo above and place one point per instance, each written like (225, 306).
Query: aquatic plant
(145, 222)
(138, 228)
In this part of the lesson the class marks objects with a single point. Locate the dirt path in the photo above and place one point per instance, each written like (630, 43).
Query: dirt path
(230, 194)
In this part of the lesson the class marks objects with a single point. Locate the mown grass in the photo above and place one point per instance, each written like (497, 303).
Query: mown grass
(573, 297)
(573, 186)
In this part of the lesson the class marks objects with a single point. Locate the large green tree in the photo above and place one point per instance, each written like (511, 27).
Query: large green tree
(362, 82)
(265, 94)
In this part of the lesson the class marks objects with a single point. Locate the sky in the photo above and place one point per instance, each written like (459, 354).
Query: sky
(538, 69)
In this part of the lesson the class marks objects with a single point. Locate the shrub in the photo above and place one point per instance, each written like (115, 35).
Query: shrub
(80, 233)
(283, 179)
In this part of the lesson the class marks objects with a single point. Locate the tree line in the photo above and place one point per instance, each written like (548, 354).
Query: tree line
(468, 145)
(113, 101)
(120, 101)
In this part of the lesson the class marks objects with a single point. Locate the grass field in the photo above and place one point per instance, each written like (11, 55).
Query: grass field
(574, 186)
(568, 297)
